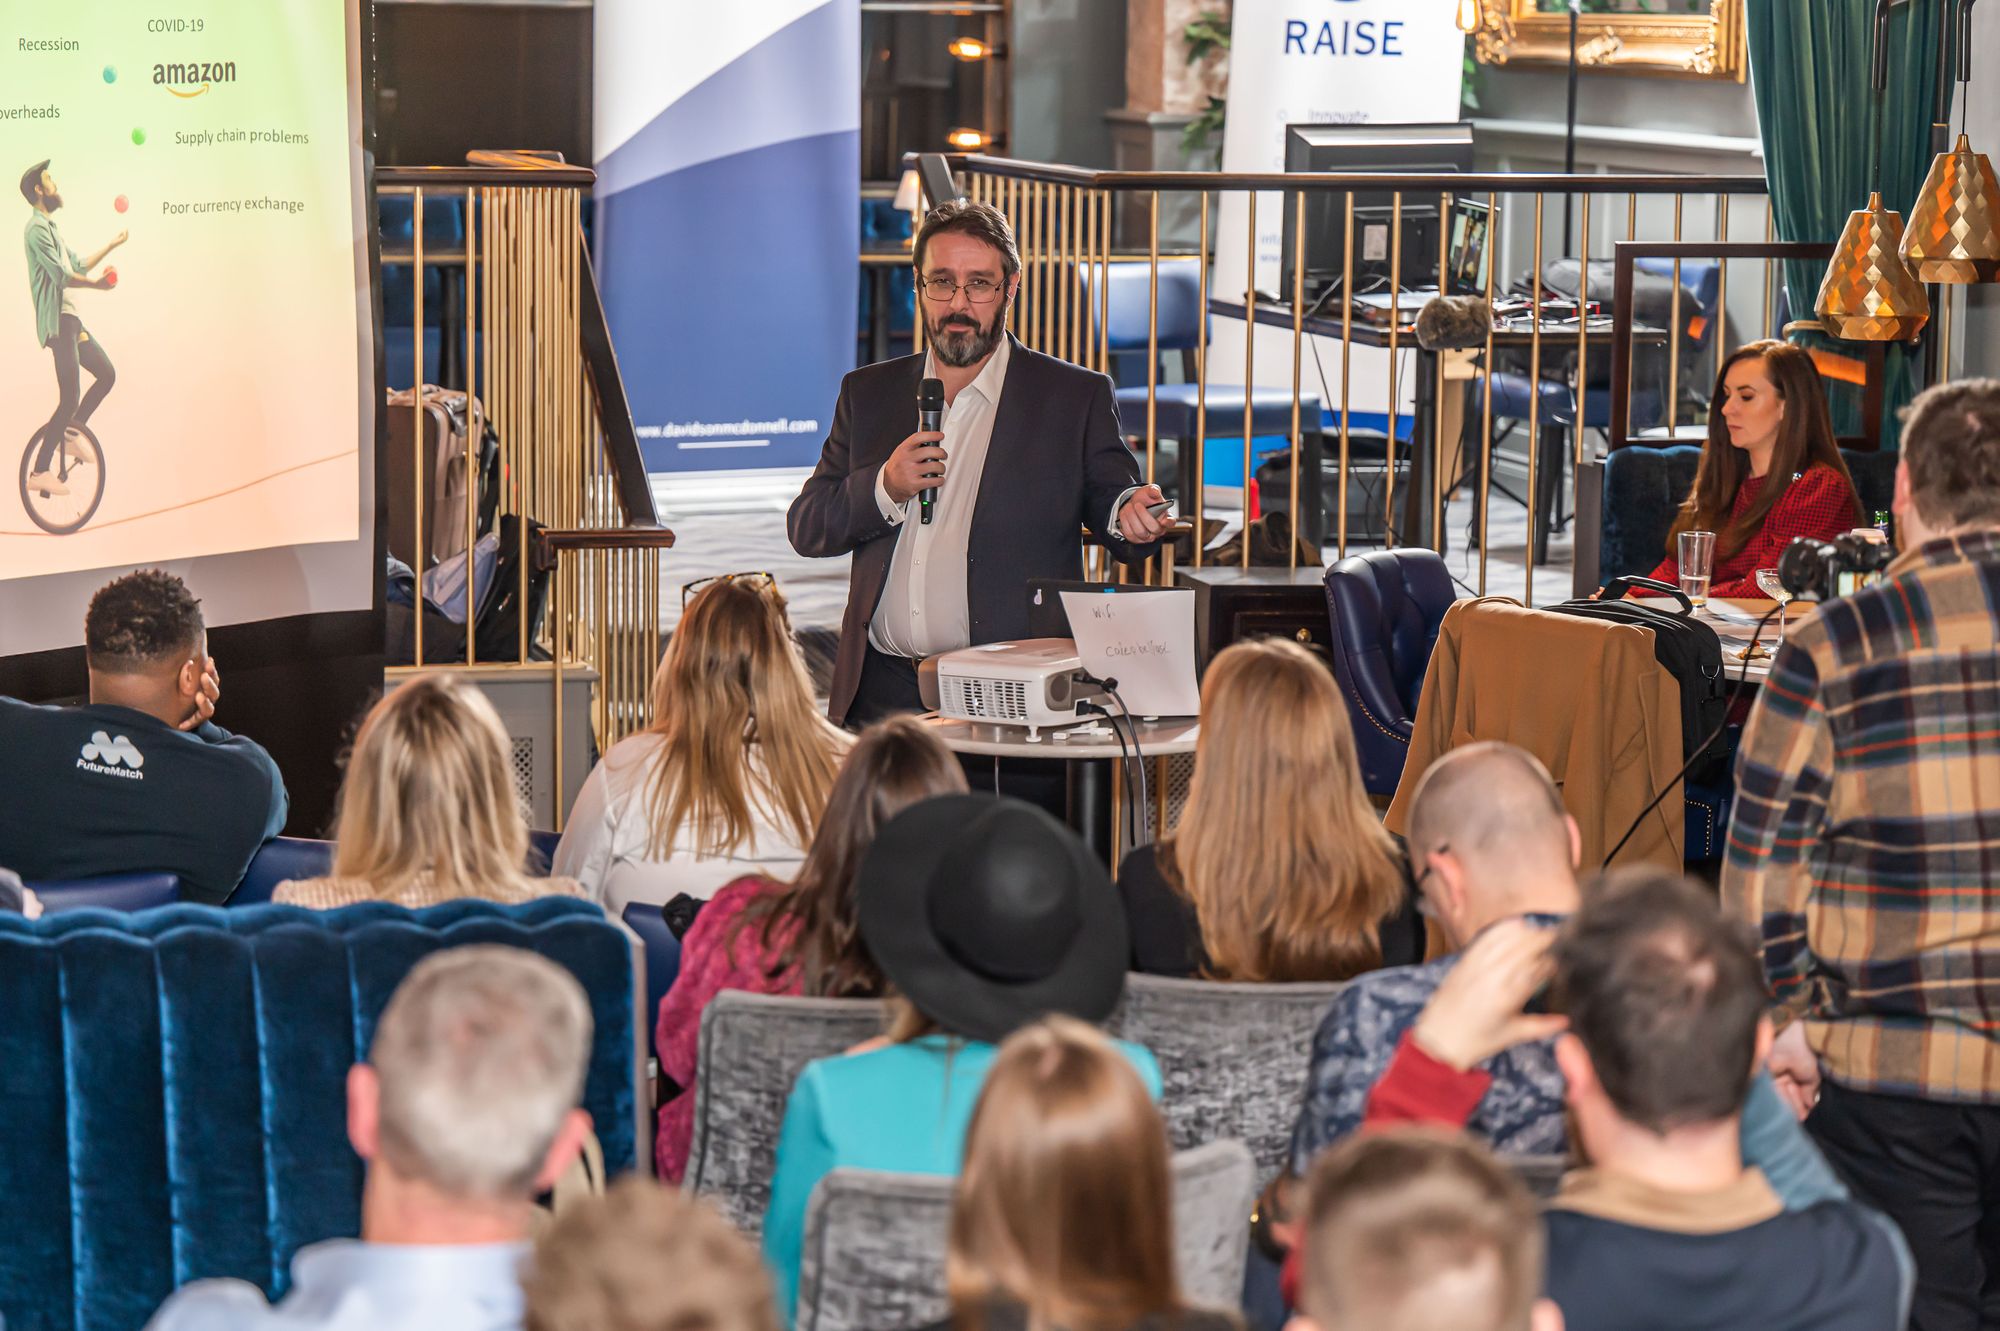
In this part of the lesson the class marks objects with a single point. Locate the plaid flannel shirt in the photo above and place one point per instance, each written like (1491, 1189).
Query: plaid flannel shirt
(1865, 843)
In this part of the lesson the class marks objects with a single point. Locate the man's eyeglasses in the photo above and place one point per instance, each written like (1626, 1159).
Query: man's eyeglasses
(979, 291)
(688, 589)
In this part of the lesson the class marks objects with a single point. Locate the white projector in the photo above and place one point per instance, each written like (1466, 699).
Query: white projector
(1035, 682)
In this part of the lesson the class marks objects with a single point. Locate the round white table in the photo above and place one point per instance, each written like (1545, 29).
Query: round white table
(1089, 752)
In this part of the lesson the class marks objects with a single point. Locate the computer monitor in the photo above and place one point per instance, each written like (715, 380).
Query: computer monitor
(1423, 149)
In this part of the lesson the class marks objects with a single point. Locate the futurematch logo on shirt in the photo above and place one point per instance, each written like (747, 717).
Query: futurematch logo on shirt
(109, 756)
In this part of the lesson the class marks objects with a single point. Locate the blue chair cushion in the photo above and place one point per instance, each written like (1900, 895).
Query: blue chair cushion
(1174, 411)
(172, 1100)
(116, 891)
(1510, 402)
(1129, 302)
(1707, 818)
(281, 860)
(1385, 607)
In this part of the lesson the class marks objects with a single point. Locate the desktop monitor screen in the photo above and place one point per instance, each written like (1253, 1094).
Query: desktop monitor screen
(1426, 149)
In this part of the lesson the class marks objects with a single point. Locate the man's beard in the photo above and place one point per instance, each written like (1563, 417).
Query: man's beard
(52, 201)
(959, 346)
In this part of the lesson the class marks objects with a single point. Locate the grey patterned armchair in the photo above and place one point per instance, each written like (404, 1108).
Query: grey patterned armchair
(875, 1243)
(753, 1047)
(1233, 1057)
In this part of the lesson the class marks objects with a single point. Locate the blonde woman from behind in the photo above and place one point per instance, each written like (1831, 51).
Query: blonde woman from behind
(1065, 1217)
(428, 810)
(731, 776)
(1279, 870)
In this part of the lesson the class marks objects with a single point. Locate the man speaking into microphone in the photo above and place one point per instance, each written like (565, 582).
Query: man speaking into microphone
(1028, 453)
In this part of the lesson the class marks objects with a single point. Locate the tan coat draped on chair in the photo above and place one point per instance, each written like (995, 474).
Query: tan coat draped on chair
(1586, 697)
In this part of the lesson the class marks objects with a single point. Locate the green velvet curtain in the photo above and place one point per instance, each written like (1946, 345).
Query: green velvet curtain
(1809, 65)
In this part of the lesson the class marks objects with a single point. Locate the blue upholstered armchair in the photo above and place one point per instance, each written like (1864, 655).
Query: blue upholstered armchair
(1386, 606)
(172, 1100)
(112, 891)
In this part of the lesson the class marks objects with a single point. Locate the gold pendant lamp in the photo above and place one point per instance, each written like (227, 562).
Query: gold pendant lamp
(1954, 231)
(1869, 294)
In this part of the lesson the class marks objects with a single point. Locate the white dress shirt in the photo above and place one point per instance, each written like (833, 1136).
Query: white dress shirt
(350, 1285)
(923, 611)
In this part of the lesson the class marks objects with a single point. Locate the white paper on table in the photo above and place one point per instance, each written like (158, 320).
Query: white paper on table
(1145, 641)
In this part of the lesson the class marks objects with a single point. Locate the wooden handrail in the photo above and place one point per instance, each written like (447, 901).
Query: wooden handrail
(551, 543)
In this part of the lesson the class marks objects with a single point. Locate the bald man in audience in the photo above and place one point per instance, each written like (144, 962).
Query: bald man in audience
(1489, 841)
(465, 1112)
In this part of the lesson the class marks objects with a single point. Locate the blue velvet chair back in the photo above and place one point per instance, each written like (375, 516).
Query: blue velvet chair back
(1385, 606)
(115, 891)
(1644, 487)
(1130, 298)
(280, 860)
(171, 1085)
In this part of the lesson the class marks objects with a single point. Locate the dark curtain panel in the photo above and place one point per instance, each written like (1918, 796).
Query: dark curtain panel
(1809, 67)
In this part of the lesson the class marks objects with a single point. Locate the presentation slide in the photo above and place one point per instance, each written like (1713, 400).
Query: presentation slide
(184, 350)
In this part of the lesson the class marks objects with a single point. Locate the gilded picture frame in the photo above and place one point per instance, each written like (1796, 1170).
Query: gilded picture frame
(1711, 46)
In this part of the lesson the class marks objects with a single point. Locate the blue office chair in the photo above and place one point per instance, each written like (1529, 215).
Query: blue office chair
(1385, 606)
(663, 959)
(1128, 296)
(112, 891)
(280, 860)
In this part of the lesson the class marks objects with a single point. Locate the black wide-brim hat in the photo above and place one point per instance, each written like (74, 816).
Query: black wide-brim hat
(988, 914)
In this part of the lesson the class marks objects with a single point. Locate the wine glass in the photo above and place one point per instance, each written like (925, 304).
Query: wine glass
(1772, 586)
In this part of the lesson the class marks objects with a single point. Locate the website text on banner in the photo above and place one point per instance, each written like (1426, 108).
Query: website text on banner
(1326, 62)
(728, 221)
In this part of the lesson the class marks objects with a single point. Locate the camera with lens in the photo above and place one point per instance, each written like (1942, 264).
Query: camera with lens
(1822, 570)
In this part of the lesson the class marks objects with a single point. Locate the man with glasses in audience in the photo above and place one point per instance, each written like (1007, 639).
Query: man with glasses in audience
(465, 1111)
(1059, 464)
(1863, 844)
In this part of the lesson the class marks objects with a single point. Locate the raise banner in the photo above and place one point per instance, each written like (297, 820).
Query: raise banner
(1327, 62)
(728, 221)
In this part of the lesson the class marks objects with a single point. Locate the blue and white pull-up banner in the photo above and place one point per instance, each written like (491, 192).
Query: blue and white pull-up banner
(728, 220)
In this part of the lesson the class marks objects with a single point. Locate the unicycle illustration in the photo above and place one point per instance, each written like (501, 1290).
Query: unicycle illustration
(66, 497)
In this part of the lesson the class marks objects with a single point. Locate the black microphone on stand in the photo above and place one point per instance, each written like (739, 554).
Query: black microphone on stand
(930, 416)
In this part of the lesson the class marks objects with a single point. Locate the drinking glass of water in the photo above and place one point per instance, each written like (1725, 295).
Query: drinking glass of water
(1697, 562)
(1769, 583)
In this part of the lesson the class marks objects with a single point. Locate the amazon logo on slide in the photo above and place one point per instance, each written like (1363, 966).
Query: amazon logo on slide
(111, 756)
(194, 77)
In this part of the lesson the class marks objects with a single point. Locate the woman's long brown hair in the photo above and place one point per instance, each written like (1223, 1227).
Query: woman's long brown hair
(892, 766)
(1805, 436)
(731, 681)
(1278, 848)
(1065, 1205)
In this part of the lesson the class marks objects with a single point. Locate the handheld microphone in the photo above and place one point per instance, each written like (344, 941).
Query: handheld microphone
(930, 416)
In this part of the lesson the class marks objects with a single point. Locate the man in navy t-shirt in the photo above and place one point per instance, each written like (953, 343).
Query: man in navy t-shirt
(139, 779)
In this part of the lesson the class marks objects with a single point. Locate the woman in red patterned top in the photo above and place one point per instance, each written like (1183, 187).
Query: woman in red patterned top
(1770, 471)
(804, 937)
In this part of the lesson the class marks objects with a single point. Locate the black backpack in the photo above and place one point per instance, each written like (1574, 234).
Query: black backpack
(1689, 650)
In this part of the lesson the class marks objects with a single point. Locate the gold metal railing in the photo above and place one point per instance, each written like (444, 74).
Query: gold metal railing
(1065, 219)
(541, 368)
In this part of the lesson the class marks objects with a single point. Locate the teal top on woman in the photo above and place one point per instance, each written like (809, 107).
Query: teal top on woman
(903, 1109)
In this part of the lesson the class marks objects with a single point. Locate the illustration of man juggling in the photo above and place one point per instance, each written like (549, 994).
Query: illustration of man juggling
(53, 272)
